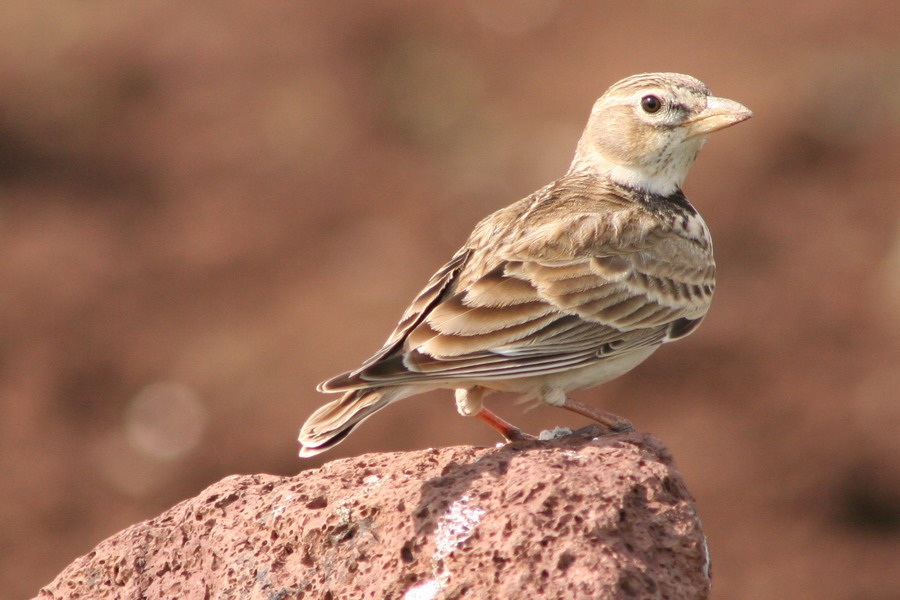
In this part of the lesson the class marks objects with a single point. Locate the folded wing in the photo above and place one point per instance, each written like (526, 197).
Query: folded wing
(525, 315)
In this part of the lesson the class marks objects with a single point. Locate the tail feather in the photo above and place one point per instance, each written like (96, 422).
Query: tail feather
(330, 424)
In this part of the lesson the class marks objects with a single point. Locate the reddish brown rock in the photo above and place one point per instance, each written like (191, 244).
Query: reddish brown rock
(572, 518)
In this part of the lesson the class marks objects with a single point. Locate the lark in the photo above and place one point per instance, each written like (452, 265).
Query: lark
(568, 288)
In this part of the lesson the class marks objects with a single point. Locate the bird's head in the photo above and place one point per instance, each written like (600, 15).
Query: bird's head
(646, 130)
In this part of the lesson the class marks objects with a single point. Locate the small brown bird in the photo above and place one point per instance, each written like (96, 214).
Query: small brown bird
(568, 288)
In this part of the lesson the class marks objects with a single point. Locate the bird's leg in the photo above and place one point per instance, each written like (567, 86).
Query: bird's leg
(469, 404)
(614, 423)
(509, 431)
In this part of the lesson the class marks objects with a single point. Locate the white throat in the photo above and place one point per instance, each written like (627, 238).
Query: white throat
(663, 183)
(662, 176)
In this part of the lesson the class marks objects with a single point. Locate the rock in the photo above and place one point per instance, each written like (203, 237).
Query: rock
(575, 517)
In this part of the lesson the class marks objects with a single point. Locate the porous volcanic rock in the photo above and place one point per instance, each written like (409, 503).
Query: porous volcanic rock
(576, 517)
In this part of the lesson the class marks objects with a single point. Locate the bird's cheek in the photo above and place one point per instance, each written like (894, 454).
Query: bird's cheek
(621, 142)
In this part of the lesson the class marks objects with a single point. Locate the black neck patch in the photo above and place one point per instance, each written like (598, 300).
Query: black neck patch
(675, 203)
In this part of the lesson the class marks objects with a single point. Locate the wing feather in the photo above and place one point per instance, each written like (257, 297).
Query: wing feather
(527, 296)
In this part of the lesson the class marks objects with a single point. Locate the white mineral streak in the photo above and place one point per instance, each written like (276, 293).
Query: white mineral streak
(453, 528)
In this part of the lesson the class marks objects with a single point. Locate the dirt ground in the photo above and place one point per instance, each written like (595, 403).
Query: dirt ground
(207, 209)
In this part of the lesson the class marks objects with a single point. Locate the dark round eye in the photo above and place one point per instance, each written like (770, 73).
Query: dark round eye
(651, 103)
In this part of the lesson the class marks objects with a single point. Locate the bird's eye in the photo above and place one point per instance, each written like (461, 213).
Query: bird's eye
(651, 104)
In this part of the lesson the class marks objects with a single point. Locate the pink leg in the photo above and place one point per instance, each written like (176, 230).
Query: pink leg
(612, 422)
(509, 431)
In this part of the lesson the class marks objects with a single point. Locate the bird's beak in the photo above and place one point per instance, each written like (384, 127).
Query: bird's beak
(718, 114)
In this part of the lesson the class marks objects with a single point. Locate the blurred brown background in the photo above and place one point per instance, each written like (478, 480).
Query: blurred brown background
(205, 209)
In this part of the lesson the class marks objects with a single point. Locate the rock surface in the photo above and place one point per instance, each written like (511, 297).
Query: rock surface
(576, 517)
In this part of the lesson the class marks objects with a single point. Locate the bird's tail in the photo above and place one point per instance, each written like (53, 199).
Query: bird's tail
(329, 425)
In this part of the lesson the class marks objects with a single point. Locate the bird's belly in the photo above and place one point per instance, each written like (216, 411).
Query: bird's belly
(574, 379)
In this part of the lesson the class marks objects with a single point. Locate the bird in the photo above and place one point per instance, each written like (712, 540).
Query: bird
(567, 288)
